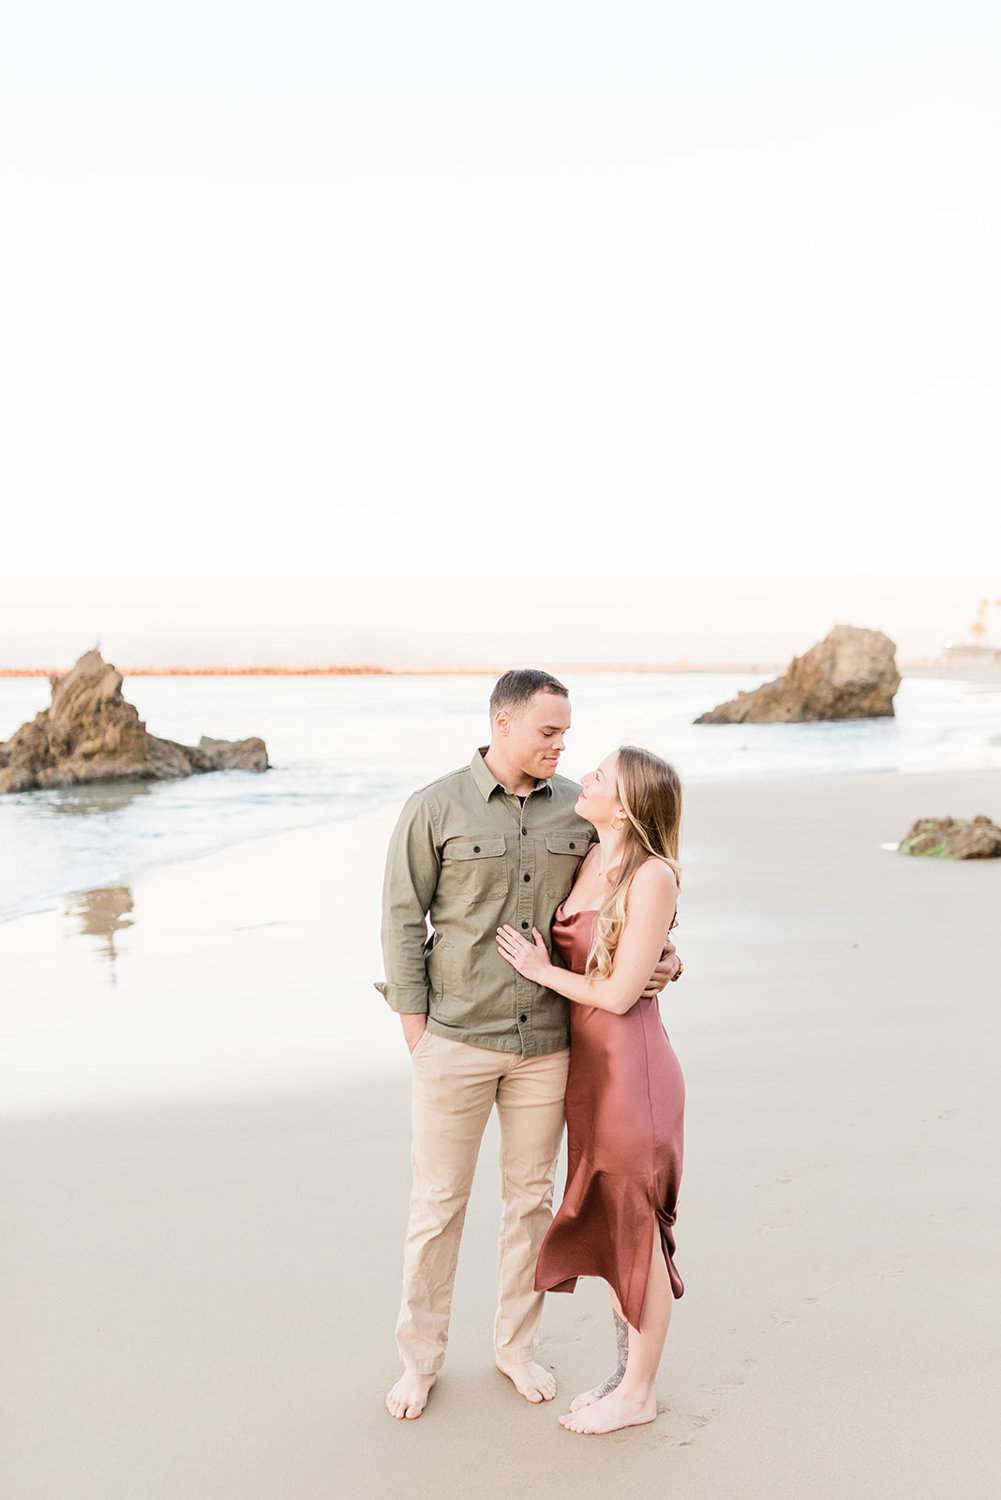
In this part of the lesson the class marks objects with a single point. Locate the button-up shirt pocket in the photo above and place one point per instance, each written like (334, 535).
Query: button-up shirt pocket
(476, 868)
(564, 852)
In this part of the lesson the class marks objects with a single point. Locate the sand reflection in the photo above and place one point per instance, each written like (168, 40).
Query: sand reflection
(104, 913)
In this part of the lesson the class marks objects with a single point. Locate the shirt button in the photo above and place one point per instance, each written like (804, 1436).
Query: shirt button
(522, 1019)
(524, 830)
(476, 848)
(572, 844)
(525, 925)
(528, 877)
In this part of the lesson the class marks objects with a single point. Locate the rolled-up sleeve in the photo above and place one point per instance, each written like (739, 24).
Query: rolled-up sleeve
(412, 868)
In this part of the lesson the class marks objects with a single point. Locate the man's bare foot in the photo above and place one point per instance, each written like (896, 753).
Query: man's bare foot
(611, 1413)
(588, 1398)
(531, 1380)
(409, 1395)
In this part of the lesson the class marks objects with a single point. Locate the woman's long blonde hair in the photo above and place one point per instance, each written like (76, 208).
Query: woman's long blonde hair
(650, 793)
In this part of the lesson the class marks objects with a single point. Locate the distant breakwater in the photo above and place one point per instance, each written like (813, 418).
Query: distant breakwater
(208, 671)
(480, 670)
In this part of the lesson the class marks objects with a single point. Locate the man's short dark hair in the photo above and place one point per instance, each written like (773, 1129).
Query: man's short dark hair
(515, 690)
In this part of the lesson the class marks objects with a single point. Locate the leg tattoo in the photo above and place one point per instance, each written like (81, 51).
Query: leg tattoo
(607, 1386)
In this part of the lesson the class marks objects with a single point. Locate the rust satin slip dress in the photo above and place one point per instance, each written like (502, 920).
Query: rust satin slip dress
(625, 1132)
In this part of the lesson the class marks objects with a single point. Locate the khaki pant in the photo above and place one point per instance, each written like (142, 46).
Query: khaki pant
(455, 1088)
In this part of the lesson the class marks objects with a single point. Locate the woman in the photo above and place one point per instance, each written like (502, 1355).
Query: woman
(625, 1093)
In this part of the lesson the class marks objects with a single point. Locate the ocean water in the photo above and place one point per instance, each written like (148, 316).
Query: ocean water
(340, 746)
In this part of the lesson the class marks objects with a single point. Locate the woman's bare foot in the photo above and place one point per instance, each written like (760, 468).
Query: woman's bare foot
(588, 1398)
(611, 1413)
(531, 1380)
(409, 1395)
(608, 1385)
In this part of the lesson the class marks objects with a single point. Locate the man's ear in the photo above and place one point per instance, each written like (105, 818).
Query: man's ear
(502, 723)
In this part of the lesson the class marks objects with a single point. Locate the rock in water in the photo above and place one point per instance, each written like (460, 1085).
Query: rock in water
(90, 733)
(953, 838)
(851, 674)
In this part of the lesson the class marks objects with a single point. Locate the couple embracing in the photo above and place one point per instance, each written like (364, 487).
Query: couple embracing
(540, 892)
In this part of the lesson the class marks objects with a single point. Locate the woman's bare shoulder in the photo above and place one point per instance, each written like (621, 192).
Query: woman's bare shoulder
(655, 879)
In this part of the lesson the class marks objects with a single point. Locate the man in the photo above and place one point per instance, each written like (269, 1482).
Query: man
(496, 842)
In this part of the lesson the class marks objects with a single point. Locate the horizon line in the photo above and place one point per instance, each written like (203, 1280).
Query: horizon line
(479, 670)
(371, 670)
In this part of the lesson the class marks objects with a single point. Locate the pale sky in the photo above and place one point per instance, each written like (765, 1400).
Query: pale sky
(535, 332)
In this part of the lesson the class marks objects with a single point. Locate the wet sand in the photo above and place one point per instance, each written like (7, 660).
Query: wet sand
(204, 1202)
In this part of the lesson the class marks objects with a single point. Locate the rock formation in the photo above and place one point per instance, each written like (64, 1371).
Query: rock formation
(90, 733)
(953, 838)
(851, 674)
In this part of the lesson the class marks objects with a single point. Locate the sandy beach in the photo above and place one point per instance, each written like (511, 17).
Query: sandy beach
(205, 1174)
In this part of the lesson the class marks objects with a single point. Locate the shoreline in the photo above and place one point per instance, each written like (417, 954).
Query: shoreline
(51, 901)
(202, 1256)
(291, 879)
